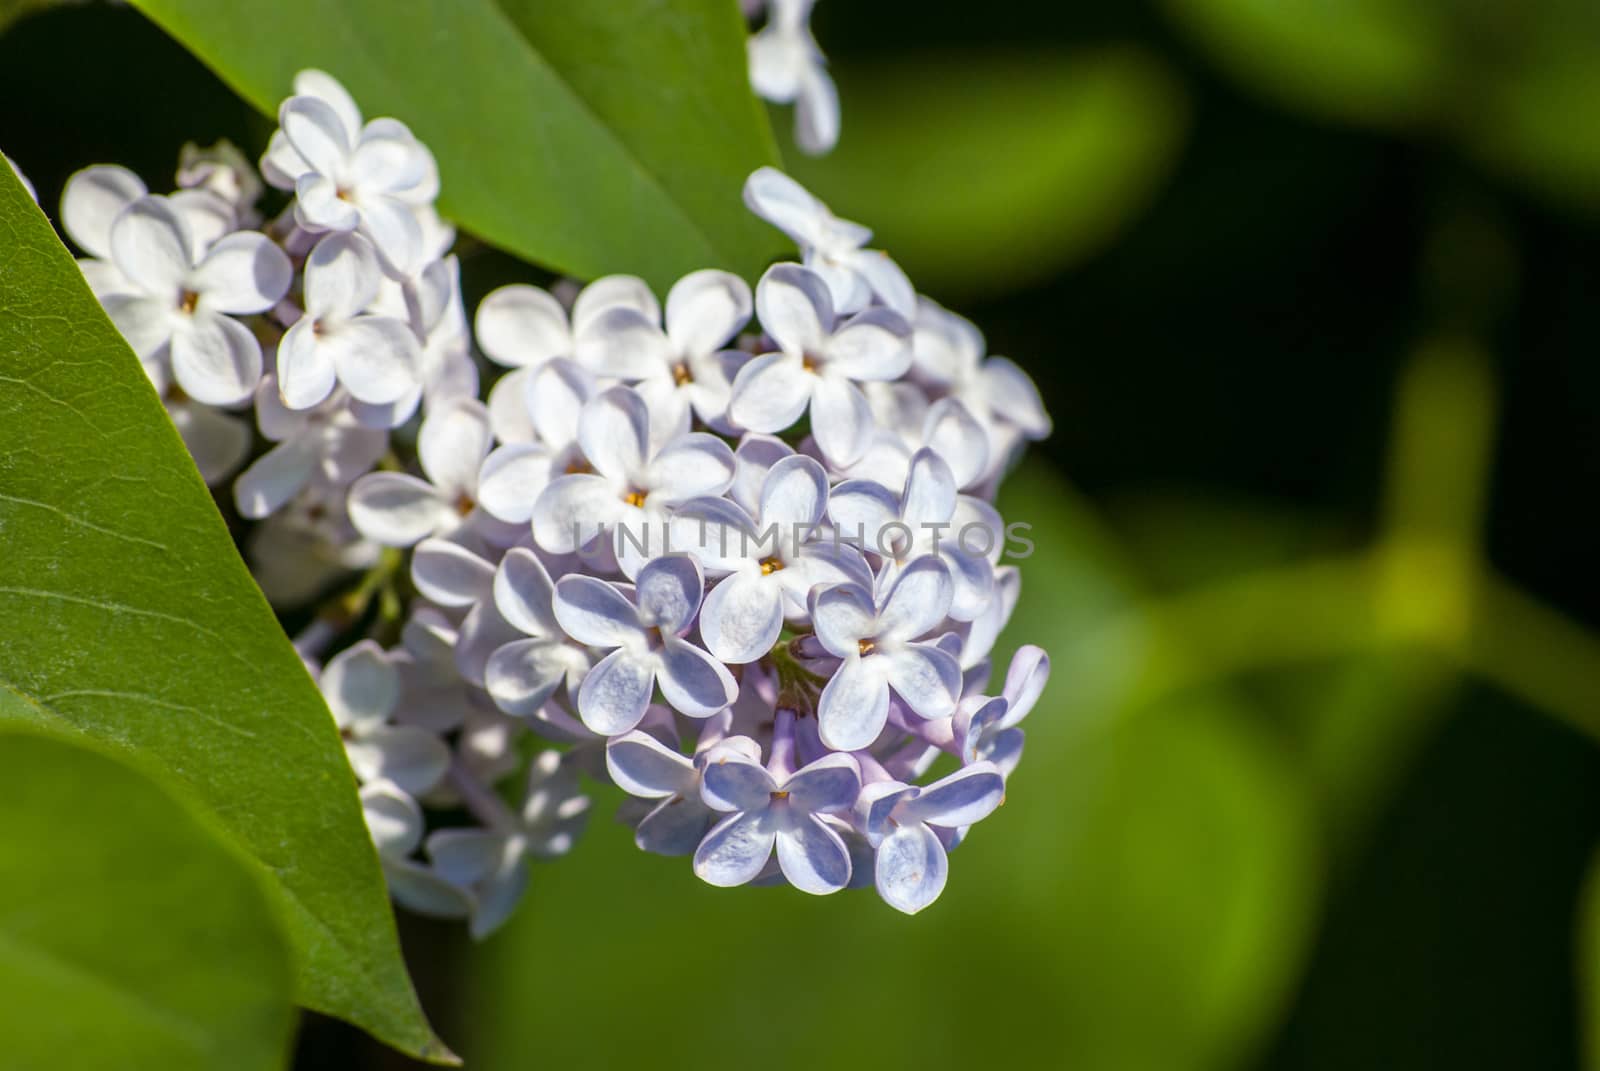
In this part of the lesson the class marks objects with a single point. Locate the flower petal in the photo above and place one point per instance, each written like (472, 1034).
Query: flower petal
(742, 617)
(522, 675)
(452, 444)
(841, 419)
(813, 857)
(796, 309)
(522, 326)
(342, 277)
(623, 343)
(705, 310)
(843, 616)
(376, 357)
(927, 679)
(614, 432)
(91, 202)
(668, 593)
(613, 291)
(734, 852)
(912, 868)
(596, 613)
(449, 574)
(615, 694)
(146, 323)
(412, 758)
(855, 704)
(216, 360)
(731, 783)
(275, 477)
(397, 509)
(361, 686)
(918, 601)
(511, 479)
(569, 514)
(150, 244)
(693, 682)
(317, 133)
(831, 783)
(643, 766)
(690, 465)
(770, 393)
(244, 272)
(969, 795)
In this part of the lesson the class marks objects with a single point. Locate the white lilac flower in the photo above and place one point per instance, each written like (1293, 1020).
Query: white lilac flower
(522, 675)
(770, 561)
(787, 67)
(347, 175)
(911, 826)
(174, 296)
(949, 355)
(217, 440)
(677, 818)
(362, 689)
(878, 644)
(338, 342)
(325, 444)
(400, 510)
(633, 485)
(906, 422)
(685, 368)
(922, 520)
(445, 370)
(767, 812)
(300, 550)
(492, 864)
(986, 729)
(523, 328)
(395, 822)
(643, 628)
(818, 364)
(829, 246)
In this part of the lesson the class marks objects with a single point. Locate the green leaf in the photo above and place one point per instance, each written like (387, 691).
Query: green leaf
(588, 137)
(131, 935)
(1381, 62)
(127, 613)
(983, 173)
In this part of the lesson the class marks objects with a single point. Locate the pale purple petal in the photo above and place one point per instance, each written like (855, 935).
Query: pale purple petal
(596, 613)
(813, 857)
(243, 273)
(918, 601)
(216, 360)
(668, 593)
(742, 617)
(511, 480)
(795, 492)
(522, 326)
(927, 679)
(705, 310)
(831, 783)
(841, 419)
(452, 444)
(730, 783)
(844, 616)
(396, 509)
(690, 465)
(796, 310)
(642, 766)
(692, 681)
(770, 393)
(969, 795)
(449, 574)
(735, 851)
(91, 202)
(521, 676)
(855, 704)
(570, 512)
(615, 693)
(524, 593)
(911, 869)
(150, 244)
(614, 432)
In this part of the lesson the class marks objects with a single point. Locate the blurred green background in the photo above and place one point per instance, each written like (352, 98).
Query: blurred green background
(1310, 289)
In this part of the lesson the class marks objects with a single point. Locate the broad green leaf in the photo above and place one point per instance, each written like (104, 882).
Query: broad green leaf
(131, 935)
(982, 173)
(587, 137)
(1383, 62)
(127, 614)
(1141, 901)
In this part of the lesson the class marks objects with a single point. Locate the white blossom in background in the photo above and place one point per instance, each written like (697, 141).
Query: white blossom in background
(734, 552)
(787, 67)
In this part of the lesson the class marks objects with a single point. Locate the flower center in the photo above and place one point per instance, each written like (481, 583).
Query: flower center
(187, 301)
(577, 466)
(776, 796)
(866, 647)
(464, 504)
(770, 566)
(810, 363)
(681, 375)
(634, 497)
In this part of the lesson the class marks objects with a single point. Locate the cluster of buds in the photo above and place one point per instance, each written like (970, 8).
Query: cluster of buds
(734, 552)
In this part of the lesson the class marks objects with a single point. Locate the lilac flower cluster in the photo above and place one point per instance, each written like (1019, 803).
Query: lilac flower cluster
(735, 553)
